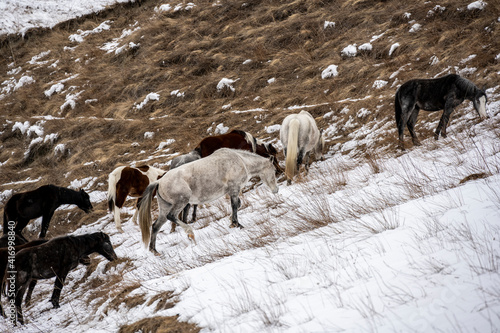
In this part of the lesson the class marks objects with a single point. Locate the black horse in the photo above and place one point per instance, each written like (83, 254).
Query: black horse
(444, 93)
(55, 259)
(22, 207)
(18, 240)
(6, 253)
(4, 261)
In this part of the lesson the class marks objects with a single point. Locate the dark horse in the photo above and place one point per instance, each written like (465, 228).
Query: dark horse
(5, 253)
(22, 207)
(8, 251)
(238, 139)
(55, 259)
(445, 92)
(4, 241)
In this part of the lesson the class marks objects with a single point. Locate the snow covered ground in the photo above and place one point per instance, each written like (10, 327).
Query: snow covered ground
(397, 244)
(18, 16)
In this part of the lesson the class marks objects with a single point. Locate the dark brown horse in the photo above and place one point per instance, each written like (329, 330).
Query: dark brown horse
(126, 181)
(238, 139)
(56, 258)
(43, 201)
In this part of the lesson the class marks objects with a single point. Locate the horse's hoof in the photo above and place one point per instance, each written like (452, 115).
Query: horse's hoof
(55, 304)
(191, 237)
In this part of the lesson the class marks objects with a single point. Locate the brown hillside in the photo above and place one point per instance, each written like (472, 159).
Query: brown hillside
(190, 51)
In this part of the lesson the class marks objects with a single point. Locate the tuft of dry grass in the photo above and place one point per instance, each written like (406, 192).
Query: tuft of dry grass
(159, 324)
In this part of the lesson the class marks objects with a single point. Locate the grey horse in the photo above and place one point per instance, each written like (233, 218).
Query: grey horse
(300, 136)
(225, 171)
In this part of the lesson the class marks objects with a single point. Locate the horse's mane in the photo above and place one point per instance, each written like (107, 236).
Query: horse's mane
(248, 137)
(466, 85)
(78, 240)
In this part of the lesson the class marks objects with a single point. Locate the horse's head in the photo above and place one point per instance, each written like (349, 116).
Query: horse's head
(106, 248)
(479, 102)
(318, 149)
(268, 175)
(85, 204)
(268, 150)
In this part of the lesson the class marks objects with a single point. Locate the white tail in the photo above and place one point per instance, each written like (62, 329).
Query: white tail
(292, 148)
(144, 214)
(113, 179)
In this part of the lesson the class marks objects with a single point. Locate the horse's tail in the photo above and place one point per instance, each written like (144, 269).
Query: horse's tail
(292, 148)
(398, 113)
(113, 179)
(145, 212)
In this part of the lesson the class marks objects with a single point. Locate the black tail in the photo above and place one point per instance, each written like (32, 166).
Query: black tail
(398, 114)
(111, 204)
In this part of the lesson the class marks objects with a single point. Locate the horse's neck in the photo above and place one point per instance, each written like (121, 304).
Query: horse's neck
(253, 164)
(468, 87)
(69, 196)
(85, 245)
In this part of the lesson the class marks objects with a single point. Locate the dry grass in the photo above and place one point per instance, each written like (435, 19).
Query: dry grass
(159, 325)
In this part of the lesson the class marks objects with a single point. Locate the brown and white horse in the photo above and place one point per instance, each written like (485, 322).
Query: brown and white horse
(125, 181)
(238, 139)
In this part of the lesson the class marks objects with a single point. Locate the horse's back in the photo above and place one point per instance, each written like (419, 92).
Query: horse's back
(209, 167)
(233, 140)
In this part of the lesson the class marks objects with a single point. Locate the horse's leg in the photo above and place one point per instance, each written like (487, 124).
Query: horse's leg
(451, 102)
(183, 217)
(137, 205)
(235, 204)
(30, 292)
(404, 109)
(58, 285)
(121, 195)
(193, 217)
(307, 162)
(185, 213)
(45, 222)
(300, 157)
(21, 289)
(160, 221)
(173, 216)
(20, 225)
(411, 126)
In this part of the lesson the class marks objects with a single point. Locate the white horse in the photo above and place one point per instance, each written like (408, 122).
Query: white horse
(299, 135)
(193, 155)
(225, 171)
(124, 181)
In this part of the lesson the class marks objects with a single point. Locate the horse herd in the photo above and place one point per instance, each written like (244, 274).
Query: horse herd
(219, 165)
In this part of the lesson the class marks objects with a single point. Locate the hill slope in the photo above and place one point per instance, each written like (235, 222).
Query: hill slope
(138, 83)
